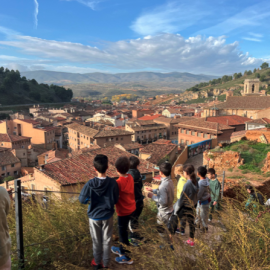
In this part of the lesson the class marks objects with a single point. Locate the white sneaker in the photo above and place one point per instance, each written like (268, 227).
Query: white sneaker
(209, 220)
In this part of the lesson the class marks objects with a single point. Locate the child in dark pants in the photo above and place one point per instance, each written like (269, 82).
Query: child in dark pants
(125, 206)
(138, 185)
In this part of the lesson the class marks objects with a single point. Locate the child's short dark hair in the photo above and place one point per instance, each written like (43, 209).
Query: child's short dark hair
(101, 163)
(166, 168)
(211, 171)
(202, 171)
(250, 188)
(134, 162)
(122, 165)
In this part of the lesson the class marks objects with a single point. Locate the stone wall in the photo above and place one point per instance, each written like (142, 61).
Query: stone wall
(222, 160)
(266, 166)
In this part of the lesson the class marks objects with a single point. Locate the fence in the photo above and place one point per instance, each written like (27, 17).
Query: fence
(36, 196)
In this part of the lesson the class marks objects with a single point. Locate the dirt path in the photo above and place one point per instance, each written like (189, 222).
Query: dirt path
(196, 161)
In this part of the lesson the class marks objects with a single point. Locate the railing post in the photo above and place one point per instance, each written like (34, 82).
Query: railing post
(222, 187)
(19, 222)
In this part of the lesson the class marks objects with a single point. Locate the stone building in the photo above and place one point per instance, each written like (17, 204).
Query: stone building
(251, 86)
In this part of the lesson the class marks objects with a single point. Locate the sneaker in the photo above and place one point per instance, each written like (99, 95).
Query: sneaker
(116, 250)
(177, 230)
(209, 220)
(172, 248)
(123, 259)
(190, 243)
(96, 266)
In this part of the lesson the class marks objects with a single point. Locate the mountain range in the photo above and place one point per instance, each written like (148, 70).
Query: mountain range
(65, 78)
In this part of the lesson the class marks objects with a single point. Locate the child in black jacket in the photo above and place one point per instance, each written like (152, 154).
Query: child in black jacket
(138, 185)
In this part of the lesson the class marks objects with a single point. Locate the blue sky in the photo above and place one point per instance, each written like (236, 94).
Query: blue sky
(199, 36)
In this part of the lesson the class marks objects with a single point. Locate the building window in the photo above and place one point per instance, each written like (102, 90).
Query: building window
(182, 141)
(33, 187)
(15, 127)
(187, 142)
(188, 132)
(117, 138)
(121, 139)
(22, 146)
(8, 173)
(192, 142)
(2, 144)
(193, 133)
(213, 136)
(15, 172)
(3, 175)
(199, 134)
(205, 135)
(3, 168)
(12, 165)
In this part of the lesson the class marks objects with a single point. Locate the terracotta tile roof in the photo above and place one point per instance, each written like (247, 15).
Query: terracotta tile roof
(131, 146)
(46, 128)
(7, 158)
(4, 137)
(158, 151)
(139, 128)
(30, 121)
(79, 168)
(172, 120)
(201, 125)
(163, 141)
(149, 117)
(83, 129)
(245, 102)
(93, 133)
(261, 121)
(230, 120)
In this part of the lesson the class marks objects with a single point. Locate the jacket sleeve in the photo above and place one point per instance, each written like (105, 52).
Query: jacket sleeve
(85, 195)
(180, 202)
(155, 191)
(115, 193)
(200, 193)
(161, 197)
(217, 191)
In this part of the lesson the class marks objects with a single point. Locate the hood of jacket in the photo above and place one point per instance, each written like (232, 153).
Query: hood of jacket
(127, 184)
(204, 182)
(99, 186)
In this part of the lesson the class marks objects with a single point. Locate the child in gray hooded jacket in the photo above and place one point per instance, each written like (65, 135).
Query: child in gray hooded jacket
(204, 199)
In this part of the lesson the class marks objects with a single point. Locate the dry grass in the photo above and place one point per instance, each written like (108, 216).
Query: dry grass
(238, 242)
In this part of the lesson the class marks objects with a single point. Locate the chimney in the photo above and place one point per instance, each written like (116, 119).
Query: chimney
(46, 158)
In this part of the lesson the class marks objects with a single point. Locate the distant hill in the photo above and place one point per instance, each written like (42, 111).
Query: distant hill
(65, 78)
(16, 89)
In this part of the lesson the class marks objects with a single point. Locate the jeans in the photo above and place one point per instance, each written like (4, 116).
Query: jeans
(213, 209)
(101, 233)
(187, 214)
(123, 233)
(134, 221)
(202, 215)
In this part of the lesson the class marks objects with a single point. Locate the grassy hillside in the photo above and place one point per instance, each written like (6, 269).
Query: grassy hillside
(15, 89)
(237, 81)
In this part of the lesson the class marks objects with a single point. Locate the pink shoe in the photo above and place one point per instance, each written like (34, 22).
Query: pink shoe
(190, 243)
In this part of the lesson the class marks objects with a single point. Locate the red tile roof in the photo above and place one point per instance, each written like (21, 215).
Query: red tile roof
(262, 121)
(7, 158)
(158, 151)
(79, 168)
(30, 121)
(229, 120)
(149, 117)
(241, 133)
(4, 137)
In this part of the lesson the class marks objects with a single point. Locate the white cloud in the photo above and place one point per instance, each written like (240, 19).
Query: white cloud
(89, 3)
(36, 13)
(165, 52)
(170, 18)
(252, 39)
(257, 35)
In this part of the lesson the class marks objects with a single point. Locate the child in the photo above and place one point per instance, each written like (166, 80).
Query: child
(204, 199)
(125, 207)
(102, 193)
(254, 199)
(184, 207)
(215, 187)
(134, 221)
(178, 171)
(163, 196)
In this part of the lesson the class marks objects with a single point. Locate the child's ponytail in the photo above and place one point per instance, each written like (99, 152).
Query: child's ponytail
(189, 169)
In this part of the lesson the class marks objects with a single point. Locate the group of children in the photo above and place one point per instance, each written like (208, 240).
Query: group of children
(103, 192)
